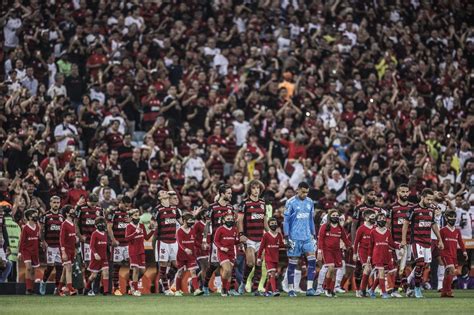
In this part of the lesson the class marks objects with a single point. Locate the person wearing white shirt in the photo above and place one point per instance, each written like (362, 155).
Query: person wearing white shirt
(58, 88)
(29, 82)
(65, 132)
(241, 127)
(194, 165)
(115, 115)
(9, 30)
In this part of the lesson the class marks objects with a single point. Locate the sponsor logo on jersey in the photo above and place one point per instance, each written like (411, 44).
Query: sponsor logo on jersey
(424, 224)
(90, 222)
(54, 227)
(257, 216)
(122, 225)
(170, 221)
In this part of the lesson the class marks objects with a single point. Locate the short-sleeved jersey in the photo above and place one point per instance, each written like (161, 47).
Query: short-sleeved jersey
(216, 213)
(421, 220)
(331, 239)
(381, 243)
(271, 245)
(86, 220)
(98, 244)
(52, 227)
(397, 214)
(67, 237)
(254, 218)
(167, 223)
(29, 239)
(451, 240)
(119, 220)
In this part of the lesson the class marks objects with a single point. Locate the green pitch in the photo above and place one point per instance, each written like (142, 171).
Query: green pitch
(246, 305)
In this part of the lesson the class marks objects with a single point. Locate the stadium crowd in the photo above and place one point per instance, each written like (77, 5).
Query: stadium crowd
(119, 105)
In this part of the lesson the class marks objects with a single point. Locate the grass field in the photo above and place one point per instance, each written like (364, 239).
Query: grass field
(246, 305)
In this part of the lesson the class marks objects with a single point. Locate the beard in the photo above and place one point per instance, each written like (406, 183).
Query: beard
(370, 202)
(403, 198)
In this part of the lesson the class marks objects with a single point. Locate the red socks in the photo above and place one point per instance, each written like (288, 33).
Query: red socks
(375, 284)
(382, 285)
(69, 287)
(105, 285)
(195, 282)
(29, 284)
(273, 283)
(365, 279)
(178, 283)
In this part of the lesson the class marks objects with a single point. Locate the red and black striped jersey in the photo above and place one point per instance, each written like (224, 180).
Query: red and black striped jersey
(51, 228)
(119, 220)
(358, 213)
(421, 220)
(167, 223)
(216, 213)
(86, 220)
(254, 218)
(397, 214)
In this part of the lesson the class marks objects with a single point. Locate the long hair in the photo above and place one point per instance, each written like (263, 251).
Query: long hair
(328, 223)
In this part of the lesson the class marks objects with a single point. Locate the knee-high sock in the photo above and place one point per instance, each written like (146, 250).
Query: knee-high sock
(247, 272)
(390, 282)
(209, 273)
(311, 272)
(322, 276)
(375, 284)
(339, 275)
(105, 285)
(441, 270)
(116, 276)
(358, 274)
(29, 284)
(382, 285)
(171, 274)
(418, 272)
(195, 283)
(57, 278)
(164, 278)
(291, 273)
(257, 275)
(365, 280)
(397, 281)
(47, 273)
(426, 273)
(179, 279)
(233, 279)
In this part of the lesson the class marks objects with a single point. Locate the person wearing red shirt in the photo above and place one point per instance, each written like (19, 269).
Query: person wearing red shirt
(452, 240)
(329, 251)
(381, 242)
(99, 261)
(76, 192)
(271, 243)
(361, 249)
(225, 240)
(296, 148)
(202, 248)
(135, 235)
(67, 243)
(29, 247)
(186, 257)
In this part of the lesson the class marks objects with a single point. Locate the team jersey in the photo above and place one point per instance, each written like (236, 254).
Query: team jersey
(199, 234)
(86, 220)
(186, 240)
(358, 213)
(119, 220)
(29, 239)
(51, 228)
(67, 237)
(451, 240)
(167, 222)
(271, 245)
(421, 220)
(254, 218)
(381, 243)
(216, 213)
(331, 240)
(135, 235)
(226, 237)
(397, 215)
(299, 223)
(98, 244)
(362, 239)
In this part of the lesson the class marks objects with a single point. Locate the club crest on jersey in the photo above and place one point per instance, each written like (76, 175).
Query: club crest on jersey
(97, 213)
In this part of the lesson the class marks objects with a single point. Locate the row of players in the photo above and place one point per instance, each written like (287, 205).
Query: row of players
(208, 240)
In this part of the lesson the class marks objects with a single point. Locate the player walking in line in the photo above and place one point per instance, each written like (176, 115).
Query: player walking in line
(420, 221)
(299, 233)
(98, 262)
(361, 250)
(68, 240)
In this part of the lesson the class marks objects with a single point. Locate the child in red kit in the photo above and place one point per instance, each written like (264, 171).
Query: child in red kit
(361, 249)
(271, 243)
(451, 238)
(68, 241)
(29, 247)
(99, 261)
(379, 253)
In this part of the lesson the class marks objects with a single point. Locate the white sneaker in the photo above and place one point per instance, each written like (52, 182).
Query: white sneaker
(339, 290)
(178, 293)
(91, 293)
(410, 293)
(395, 294)
(359, 294)
(169, 293)
(327, 293)
(136, 293)
(319, 291)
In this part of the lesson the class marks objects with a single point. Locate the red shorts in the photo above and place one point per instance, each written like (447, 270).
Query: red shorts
(450, 261)
(363, 253)
(189, 263)
(381, 259)
(224, 257)
(98, 265)
(200, 253)
(348, 257)
(137, 261)
(271, 265)
(71, 254)
(33, 258)
(332, 257)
